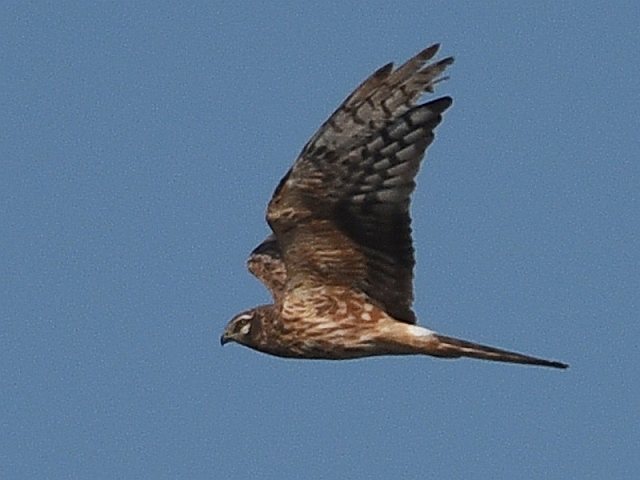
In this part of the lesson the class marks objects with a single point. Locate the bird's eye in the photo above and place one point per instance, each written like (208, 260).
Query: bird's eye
(243, 323)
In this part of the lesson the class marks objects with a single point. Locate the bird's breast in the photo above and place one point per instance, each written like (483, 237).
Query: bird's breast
(328, 323)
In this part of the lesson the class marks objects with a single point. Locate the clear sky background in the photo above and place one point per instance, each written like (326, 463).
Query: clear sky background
(139, 145)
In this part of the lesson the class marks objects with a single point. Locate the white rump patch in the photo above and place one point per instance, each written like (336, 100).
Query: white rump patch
(419, 331)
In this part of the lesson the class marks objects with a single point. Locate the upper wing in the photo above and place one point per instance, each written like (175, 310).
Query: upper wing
(265, 262)
(341, 214)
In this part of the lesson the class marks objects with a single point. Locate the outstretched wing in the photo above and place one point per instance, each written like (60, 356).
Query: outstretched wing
(341, 214)
(265, 262)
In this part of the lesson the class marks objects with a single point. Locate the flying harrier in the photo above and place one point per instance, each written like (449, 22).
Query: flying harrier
(340, 261)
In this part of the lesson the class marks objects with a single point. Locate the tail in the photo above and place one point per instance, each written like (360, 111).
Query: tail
(449, 347)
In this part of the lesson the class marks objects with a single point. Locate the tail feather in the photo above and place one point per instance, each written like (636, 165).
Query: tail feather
(450, 347)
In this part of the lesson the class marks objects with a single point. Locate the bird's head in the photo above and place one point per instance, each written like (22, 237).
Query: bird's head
(244, 328)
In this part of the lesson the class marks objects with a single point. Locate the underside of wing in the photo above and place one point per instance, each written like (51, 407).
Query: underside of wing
(381, 98)
(341, 214)
(266, 263)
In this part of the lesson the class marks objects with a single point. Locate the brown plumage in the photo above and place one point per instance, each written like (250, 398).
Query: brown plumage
(339, 264)
(266, 263)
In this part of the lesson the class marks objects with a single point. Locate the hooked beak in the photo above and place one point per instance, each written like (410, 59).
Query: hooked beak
(224, 338)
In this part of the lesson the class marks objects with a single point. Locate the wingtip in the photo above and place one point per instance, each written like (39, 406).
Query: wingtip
(439, 105)
(268, 247)
(384, 70)
(446, 61)
(560, 365)
(431, 50)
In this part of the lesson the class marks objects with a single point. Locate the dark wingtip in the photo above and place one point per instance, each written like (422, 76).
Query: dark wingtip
(538, 362)
(384, 70)
(268, 247)
(439, 105)
(558, 365)
(430, 51)
(446, 61)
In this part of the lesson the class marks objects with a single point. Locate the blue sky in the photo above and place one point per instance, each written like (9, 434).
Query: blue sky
(140, 143)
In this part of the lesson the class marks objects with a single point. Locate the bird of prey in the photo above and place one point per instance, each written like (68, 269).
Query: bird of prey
(340, 261)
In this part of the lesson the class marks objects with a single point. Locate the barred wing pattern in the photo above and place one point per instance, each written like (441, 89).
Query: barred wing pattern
(265, 262)
(341, 214)
(340, 262)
